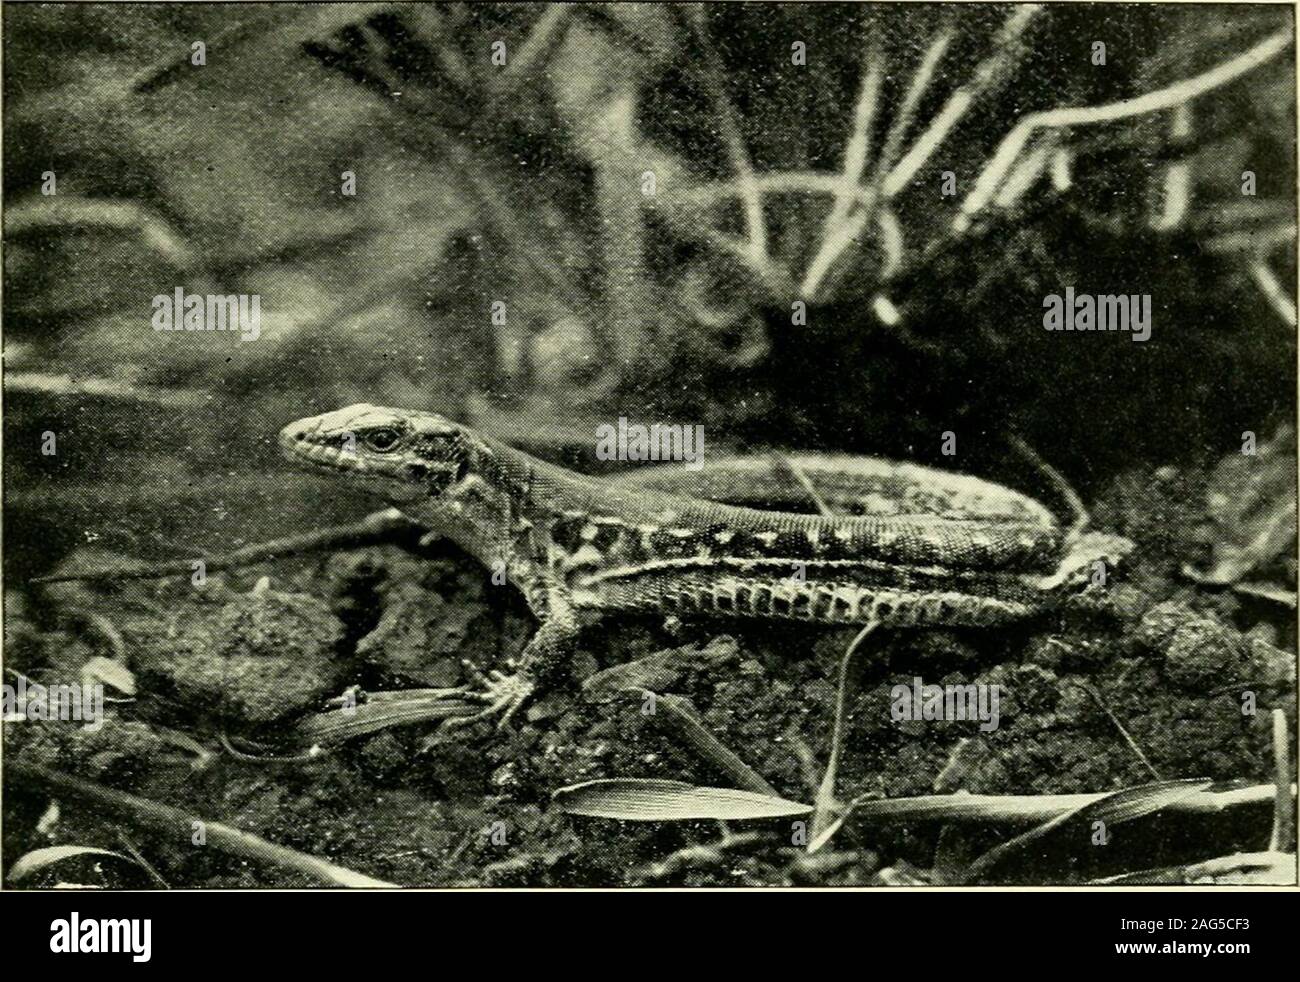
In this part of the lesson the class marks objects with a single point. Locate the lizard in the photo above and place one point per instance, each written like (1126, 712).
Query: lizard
(932, 548)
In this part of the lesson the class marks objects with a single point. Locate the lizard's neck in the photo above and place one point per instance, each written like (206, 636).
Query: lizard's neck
(533, 484)
(505, 493)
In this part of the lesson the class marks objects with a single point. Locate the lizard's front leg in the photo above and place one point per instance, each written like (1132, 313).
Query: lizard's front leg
(506, 692)
(537, 571)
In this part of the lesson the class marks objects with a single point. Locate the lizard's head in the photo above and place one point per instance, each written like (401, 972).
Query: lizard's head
(401, 454)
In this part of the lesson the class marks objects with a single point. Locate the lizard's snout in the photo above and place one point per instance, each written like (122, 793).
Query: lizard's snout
(296, 439)
(295, 433)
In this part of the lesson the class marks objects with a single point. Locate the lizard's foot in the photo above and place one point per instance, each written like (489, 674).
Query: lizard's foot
(504, 694)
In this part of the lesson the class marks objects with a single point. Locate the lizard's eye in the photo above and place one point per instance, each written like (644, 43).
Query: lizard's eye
(382, 441)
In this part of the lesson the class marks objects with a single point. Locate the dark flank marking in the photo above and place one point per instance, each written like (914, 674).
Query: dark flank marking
(667, 543)
(802, 605)
(566, 533)
(823, 600)
(617, 543)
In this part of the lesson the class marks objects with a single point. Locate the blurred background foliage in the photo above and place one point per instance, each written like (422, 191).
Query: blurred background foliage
(524, 183)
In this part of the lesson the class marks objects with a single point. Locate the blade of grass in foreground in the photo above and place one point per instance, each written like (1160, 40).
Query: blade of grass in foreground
(655, 800)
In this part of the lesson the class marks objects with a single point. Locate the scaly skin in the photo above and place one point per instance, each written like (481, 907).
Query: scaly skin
(974, 554)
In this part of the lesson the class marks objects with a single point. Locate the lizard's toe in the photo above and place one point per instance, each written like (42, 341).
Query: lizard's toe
(504, 694)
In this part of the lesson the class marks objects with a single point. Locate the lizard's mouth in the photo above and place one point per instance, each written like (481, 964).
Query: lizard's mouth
(297, 444)
(304, 443)
(308, 444)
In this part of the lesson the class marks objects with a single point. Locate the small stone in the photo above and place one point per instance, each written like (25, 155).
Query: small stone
(255, 659)
(1160, 622)
(420, 631)
(583, 666)
(1203, 654)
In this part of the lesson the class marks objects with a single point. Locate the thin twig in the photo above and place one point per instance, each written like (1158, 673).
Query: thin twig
(374, 529)
(732, 138)
(680, 716)
(1096, 697)
(147, 866)
(856, 153)
(1273, 291)
(1167, 98)
(993, 71)
(174, 822)
(902, 120)
(1283, 811)
(1058, 482)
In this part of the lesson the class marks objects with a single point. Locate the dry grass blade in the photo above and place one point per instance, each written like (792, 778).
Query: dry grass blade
(1113, 809)
(783, 463)
(1276, 868)
(982, 809)
(545, 34)
(1008, 48)
(1273, 290)
(838, 232)
(72, 213)
(679, 716)
(1265, 591)
(996, 809)
(402, 709)
(656, 800)
(829, 816)
(1257, 869)
(729, 130)
(65, 386)
(902, 120)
